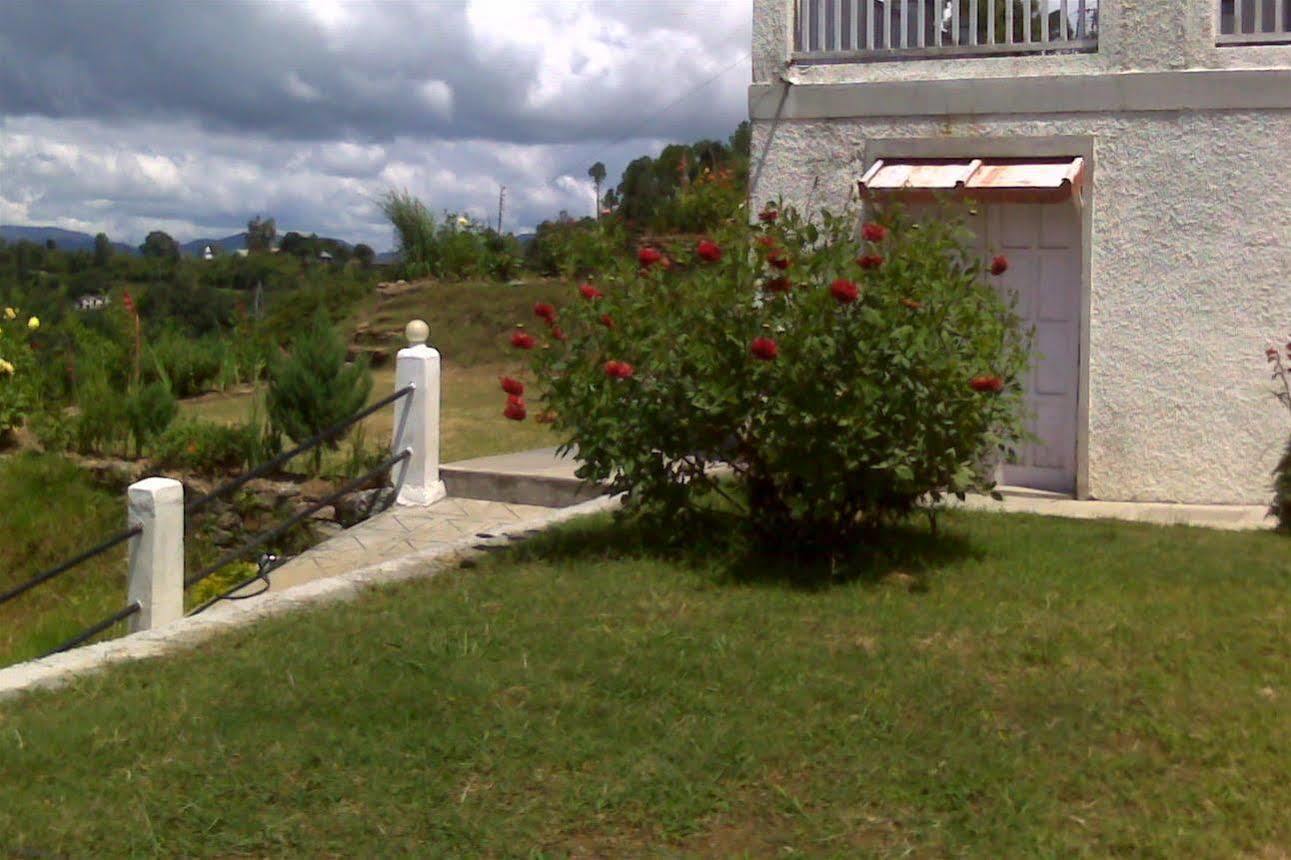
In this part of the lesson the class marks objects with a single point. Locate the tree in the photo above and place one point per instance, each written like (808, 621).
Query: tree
(365, 255)
(159, 245)
(597, 172)
(102, 250)
(313, 387)
(260, 234)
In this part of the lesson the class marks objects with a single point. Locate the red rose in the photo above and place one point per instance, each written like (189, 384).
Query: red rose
(589, 292)
(768, 216)
(766, 241)
(764, 348)
(869, 261)
(708, 251)
(987, 383)
(514, 387)
(558, 333)
(607, 320)
(778, 285)
(619, 370)
(522, 339)
(844, 291)
(873, 232)
(1272, 354)
(999, 265)
(780, 261)
(649, 256)
(544, 311)
(515, 409)
(911, 304)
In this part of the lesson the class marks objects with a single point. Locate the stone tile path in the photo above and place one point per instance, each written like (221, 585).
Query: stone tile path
(402, 531)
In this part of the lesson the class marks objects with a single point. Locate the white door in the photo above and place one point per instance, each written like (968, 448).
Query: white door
(1042, 244)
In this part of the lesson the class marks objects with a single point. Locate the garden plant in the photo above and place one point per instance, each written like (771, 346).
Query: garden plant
(839, 382)
(1281, 507)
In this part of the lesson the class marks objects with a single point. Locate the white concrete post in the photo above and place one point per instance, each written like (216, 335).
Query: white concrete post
(157, 554)
(416, 425)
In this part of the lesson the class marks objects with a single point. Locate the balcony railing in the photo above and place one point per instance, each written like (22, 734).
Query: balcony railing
(862, 30)
(1254, 22)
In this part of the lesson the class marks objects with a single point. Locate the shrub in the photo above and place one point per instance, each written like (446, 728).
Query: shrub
(189, 366)
(17, 368)
(312, 387)
(846, 383)
(149, 411)
(208, 448)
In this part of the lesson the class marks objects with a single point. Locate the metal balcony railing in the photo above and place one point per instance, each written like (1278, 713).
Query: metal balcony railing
(1254, 22)
(864, 30)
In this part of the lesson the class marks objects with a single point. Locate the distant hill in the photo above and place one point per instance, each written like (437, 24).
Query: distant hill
(228, 245)
(65, 240)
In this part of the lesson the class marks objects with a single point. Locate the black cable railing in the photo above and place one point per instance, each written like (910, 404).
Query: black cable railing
(95, 629)
(59, 570)
(264, 538)
(322, 437)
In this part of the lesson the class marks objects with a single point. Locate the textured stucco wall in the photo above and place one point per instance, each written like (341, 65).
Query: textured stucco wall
(1189, 278)
(1135, 35)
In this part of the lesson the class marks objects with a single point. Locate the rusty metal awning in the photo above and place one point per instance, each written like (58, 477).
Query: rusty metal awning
(1003, 180)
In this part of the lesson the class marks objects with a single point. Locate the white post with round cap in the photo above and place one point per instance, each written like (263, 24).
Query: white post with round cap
(416, 426)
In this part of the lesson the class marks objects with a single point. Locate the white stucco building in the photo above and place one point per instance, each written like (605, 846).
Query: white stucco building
(1154, 258)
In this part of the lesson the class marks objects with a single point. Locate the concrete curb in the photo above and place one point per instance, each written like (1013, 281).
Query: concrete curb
(61, 669)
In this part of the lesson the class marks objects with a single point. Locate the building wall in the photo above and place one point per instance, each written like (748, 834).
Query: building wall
(1188, 274)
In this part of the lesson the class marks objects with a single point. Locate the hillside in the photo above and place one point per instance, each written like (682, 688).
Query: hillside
(66, 240)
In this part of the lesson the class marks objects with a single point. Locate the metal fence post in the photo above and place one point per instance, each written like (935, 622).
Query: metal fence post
(156, 580)
(416, 425)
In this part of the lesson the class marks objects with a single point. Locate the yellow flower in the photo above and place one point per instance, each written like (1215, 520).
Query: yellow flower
(33, 323)
(6, 368)
(10, 313)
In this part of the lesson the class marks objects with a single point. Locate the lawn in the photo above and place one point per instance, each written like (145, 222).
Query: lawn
(1015, 687)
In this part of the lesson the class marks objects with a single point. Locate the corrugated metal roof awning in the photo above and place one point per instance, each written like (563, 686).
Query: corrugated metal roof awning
(1007, 180)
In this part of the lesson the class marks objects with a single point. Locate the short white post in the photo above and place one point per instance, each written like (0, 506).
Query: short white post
(156, 580)
(416, 425)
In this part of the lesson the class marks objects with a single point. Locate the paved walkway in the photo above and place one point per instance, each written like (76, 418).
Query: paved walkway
(402, 531)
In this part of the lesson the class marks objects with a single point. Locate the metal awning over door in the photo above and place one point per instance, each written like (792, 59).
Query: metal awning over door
(998, 180)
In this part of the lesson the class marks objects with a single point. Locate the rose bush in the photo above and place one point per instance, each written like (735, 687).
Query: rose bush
(17, 379)
(846, 382)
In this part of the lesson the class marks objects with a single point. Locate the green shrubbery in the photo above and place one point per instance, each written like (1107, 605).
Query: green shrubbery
(845, 383)
(209, 448)
(17, 369)
(1281, 507)
(456, 247)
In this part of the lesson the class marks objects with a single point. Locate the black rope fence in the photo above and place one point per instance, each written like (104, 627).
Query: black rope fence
(266, 537)
(270, 466)
(94, 630)
(54, 572)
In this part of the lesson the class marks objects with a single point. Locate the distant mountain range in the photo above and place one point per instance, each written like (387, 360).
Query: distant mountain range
(72, 240)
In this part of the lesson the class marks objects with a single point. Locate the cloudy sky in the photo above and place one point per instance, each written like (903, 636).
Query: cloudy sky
(193, 116)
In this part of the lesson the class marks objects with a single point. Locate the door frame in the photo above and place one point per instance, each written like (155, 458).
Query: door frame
(1043, 146)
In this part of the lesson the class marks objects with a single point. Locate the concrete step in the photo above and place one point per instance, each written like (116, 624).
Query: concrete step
(538, 477)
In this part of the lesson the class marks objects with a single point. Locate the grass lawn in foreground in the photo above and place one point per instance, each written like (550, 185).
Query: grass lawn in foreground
(1017, 687)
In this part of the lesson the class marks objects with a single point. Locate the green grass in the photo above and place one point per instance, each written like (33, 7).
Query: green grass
(51, 512)
(1017, 687)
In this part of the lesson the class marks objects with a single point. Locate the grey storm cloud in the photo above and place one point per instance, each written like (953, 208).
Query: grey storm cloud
(191, 117)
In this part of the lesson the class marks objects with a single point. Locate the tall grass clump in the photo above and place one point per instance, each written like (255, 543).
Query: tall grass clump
(414, 227)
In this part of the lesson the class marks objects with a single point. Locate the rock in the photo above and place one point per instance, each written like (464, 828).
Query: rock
(228, 521)
(327, 512)
(356, 507)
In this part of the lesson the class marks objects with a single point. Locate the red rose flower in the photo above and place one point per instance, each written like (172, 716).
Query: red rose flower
(522, 339)
(766, 241)
(607, 320)
(514, 387)
(778, 285)
(589, 292)
(987, 383)
(768, 216)
(1271, 354)
(999, 265)
(558, 333)
(912, 304)
(544, 311)
(515, 409)
(869, 262)
(873, 232)
(708, 251)
(844, 291)
(764, 349)
(779, 260)
(649, 256)
(619, 370)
